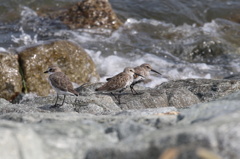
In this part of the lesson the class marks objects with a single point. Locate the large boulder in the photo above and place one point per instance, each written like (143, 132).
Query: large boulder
(10, 78)
(87, 14)
(71, 58)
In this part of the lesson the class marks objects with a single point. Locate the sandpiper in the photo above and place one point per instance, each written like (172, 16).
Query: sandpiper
(60, 83)
(144, 71)
(119, 82)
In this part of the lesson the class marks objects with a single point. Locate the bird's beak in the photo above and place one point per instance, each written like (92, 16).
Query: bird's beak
(45, 72)
(138, 74)
(156, 71)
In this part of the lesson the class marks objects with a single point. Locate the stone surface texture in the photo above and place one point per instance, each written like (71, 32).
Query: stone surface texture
(71, 58)
(93, 126)
(10, 78)
(87, 14)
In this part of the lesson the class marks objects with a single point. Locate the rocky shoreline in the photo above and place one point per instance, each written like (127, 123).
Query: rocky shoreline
(96, 127)
(181, 119)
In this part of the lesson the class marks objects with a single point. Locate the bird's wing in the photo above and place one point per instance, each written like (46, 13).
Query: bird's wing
(116, 82)
(61, 81)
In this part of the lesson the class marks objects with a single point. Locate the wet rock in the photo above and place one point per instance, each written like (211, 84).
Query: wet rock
(71, 58)
(207, 52)
(204, 50)
(10, 78)
(88, 14)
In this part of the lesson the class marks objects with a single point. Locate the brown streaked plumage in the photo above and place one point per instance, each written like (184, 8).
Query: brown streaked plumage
(60, 83)
(144, 71)
(119, 82)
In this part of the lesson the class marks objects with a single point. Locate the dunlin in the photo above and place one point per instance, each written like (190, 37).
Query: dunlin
(144, 71)
(60, 83)
(119, 82)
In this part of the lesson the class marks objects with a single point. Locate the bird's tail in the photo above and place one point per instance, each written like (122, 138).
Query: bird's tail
(75, 92)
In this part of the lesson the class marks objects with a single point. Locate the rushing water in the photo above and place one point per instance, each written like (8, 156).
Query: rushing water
(153, 31)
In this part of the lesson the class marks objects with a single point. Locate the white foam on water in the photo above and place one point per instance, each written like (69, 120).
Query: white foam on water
(2, 49)
(131, 21)
(27, 14)
(24, 39)
(110, 65)
(114, 64)
(210, 28)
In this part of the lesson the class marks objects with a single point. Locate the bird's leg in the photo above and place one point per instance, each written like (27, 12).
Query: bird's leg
(63, 101)
(75, 101)
(119, 95)
(117, 98)
(114, 95)
(55, 105)
(119, 102)
(134, 92)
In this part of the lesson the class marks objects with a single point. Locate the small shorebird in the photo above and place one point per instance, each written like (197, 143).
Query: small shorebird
(142, 70)
(119, 82)
(60, 83)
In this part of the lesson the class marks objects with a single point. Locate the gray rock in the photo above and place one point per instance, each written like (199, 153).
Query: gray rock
(204, 89)
(10, 78)
(93, 126)
(179, 93)
(148, 111)
(34, 60)
(102, 104)
(181, 98)
(206, 111)
(214, 139)
(52, 139)
(233, 77)
(87, 14)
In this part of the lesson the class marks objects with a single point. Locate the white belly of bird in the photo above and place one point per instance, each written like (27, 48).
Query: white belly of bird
(129, 82)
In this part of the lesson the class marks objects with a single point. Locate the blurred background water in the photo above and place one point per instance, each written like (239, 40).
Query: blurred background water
(165, 33)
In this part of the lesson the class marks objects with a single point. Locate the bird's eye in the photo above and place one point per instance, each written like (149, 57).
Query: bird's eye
(50, 69)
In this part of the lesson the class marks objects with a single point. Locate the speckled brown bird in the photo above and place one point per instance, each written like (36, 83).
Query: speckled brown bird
(144, 71)
(119, 82)
(60, 83)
